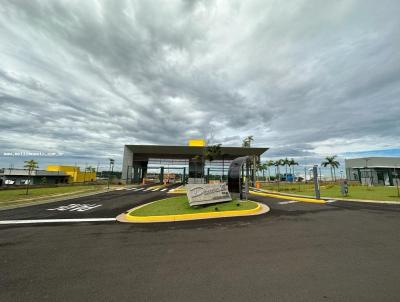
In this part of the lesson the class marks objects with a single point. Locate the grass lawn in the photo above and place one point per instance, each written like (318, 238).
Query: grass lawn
(17, 196)
(180, 205)
(333, 190)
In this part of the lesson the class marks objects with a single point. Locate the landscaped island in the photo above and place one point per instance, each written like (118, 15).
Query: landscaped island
(177, 208)
(180, 205)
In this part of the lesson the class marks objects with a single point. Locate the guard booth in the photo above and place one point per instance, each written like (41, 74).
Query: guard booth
(189, 162)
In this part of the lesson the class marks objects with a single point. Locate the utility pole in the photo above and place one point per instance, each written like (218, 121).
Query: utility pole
(97, 170)
(84, 174)
(110, 170)
(396, 174)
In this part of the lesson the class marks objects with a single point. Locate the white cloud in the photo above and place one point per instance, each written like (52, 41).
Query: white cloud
(304, 77)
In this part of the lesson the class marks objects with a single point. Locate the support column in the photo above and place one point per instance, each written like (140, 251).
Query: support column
(126, 164)
(162, 175)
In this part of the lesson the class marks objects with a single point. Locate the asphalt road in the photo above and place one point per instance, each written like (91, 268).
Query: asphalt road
(104, 205)
(339, 251)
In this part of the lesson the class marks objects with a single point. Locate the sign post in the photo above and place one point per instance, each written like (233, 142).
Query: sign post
(344, 188)
(316, 184)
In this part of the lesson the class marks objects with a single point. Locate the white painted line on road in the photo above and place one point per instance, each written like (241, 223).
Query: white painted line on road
(76, 207)
(139, 189)
(156, 189)
(163, 189)
(289, 201)
(129, 189)
(332, 200)
(26, 221)
(119, 189)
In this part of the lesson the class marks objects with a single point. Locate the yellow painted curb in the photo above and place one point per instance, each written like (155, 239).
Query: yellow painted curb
(303, 199)
(182, 217)
(177, 190)
(155, 187)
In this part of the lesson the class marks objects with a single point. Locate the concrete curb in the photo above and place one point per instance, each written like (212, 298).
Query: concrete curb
(296, 197)
(260, 209)
(312, 200)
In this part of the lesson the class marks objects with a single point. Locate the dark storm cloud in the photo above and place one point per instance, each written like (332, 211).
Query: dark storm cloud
(306, 78)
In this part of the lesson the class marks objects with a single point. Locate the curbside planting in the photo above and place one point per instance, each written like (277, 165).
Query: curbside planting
(130, 218)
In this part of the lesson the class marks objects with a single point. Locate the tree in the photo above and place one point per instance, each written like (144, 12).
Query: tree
(262, 167)
(247, 141)
(286, 162)
(213, 152)
(269, 164)
(30, 165)
(333, 163)
(292, 163)
(277, 164)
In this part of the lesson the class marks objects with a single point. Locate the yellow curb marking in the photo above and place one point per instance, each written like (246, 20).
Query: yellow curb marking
(178, 190)
(313, 200)
(161, 218)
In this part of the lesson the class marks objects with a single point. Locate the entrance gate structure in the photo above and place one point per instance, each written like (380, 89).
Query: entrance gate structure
(187, 160)
(238, 176)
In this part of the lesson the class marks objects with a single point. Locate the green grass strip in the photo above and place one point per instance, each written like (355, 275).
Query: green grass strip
(180, 205)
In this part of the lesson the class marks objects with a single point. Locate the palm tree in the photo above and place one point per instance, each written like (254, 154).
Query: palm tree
(333, 163)
(247, 141)
(286, 162)
(213, 152)
(292, 163)
(277, 164)
(269, 164)
(262, 167)
(30, 165)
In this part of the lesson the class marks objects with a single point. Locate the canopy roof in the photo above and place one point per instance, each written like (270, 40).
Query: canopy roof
(144, 152)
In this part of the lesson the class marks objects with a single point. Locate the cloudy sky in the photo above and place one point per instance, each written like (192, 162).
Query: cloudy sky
(305, 78)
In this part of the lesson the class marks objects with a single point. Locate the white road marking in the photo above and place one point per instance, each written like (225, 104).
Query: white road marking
(331, 200)
(119, 189)
(163, 189)
(129, 189)
(139, 189)
(289, 201)
(76, 207)
(54, 220)
(156, 189)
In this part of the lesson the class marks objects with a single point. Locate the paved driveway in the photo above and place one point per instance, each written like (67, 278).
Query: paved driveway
(297, 252)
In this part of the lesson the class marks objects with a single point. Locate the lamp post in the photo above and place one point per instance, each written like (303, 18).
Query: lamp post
(110, 170)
